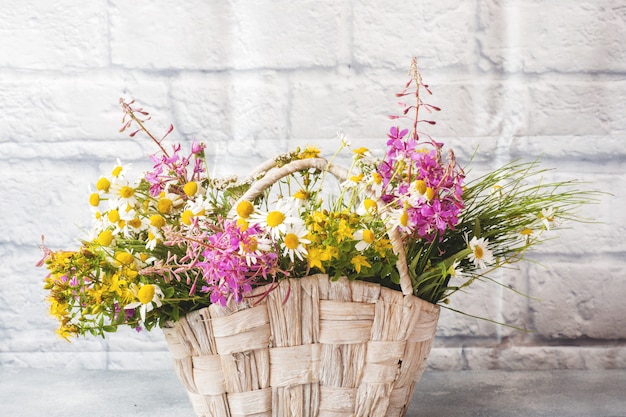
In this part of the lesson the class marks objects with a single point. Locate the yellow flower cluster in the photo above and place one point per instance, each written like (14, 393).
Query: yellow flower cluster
(83, 284)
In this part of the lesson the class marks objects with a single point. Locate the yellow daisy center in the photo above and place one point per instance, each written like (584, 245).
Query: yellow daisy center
(164, 205)
(157, 220)
(136, 223)
(117, 171)
(368, 236)
(94, 199)
(113, 216)
(126, 191)
(291, 241)
(250, 246)
(274, 218)
(404, 218)
(190, 188)
(420, 186)
(301, 195)
(243, 224)
(105, 237)
(186, 217)
(146, 293)
(370, 205)
(430, 193)
(124, 258)
(245, 209)
(103, 184)
(478, 252)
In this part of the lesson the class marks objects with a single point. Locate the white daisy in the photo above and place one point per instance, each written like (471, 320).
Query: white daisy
(374, 182)
(547, 217)
(365, 238)
(367, 206)
(253, 248)
(294, 241)
(275, 222)
(123, 195)
(148, 295)
(454, 271)
(481, 255)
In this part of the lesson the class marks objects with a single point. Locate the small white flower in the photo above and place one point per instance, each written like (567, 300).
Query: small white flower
(481, 255)
(148, 295)
(367, 206)
(294, 241)
(399, 219)
(365, 238)
(276, 221)
(454, 271)
(343, 139)
(547, 217)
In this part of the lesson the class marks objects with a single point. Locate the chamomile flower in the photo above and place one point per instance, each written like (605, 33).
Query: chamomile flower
(365, 238)
(119, 171)
(274, 221)
(123, 195)
(399, 219)
(253, 247)
(454, 271)
(481, 255)
(374, 182)
(148, 296)
(367, 206)
(547, 217)
(196, 208)
(353, 181)
(294, 241)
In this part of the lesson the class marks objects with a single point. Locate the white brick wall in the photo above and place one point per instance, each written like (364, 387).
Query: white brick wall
(518, 78)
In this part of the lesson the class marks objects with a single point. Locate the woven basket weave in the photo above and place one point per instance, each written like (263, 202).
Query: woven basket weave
(312, 347)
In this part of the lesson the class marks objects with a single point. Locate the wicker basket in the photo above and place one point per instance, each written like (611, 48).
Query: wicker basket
(311, 347)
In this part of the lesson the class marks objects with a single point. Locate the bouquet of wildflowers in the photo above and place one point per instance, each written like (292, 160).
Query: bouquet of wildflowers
(176, 239)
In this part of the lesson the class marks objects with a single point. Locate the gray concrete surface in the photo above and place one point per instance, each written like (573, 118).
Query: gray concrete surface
(27, 392)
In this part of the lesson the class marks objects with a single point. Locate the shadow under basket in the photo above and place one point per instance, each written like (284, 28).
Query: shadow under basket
(310, 347)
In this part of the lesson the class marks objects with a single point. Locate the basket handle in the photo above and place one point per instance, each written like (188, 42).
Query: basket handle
(273, 174)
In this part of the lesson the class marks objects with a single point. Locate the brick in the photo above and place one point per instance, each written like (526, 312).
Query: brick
(578, 300)
(40, 35)
(37, 107)
(577, 108)
(438, 34)
(231, 113)
(216, 36)
(560, 36)
(539, 358)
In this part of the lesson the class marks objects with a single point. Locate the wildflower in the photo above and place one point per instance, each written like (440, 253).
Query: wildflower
(547, 217)
(274, 221)
(309, 152)
(295, 241)
(316, 257)
(148, 296)
(105, 238)
(367, 206)
(245, 209)
(359, 261)
(190, 189)
(365, 238)
(103, 184)
(481, 256)
(454, 271)
(360, 152)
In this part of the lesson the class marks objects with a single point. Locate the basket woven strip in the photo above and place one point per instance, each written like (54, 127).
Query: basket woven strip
(310, 347)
